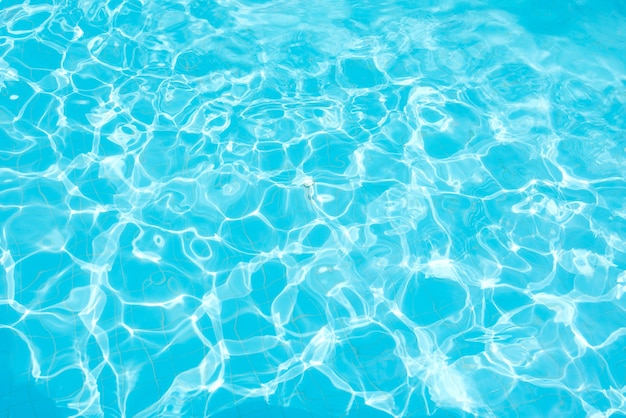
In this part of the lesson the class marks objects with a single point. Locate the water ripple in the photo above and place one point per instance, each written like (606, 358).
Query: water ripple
(233, 207)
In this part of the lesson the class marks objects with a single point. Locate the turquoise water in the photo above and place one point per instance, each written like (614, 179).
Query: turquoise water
(312, 209)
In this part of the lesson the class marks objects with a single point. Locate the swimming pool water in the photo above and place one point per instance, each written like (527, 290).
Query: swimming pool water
(312, 209)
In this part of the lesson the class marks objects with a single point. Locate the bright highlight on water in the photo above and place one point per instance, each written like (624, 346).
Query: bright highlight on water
(329, 208)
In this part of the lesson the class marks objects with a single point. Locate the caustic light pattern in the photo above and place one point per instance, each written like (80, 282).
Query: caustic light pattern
(312, 209)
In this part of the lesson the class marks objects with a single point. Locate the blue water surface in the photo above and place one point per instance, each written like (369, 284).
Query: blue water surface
(332, 208)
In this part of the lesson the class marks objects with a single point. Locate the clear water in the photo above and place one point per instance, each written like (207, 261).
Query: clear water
(312, 209)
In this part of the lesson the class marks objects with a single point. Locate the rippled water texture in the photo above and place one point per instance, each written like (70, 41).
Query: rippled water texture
(312, 208)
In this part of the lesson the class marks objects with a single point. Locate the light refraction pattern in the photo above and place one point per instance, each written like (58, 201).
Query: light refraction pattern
(312, 208)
